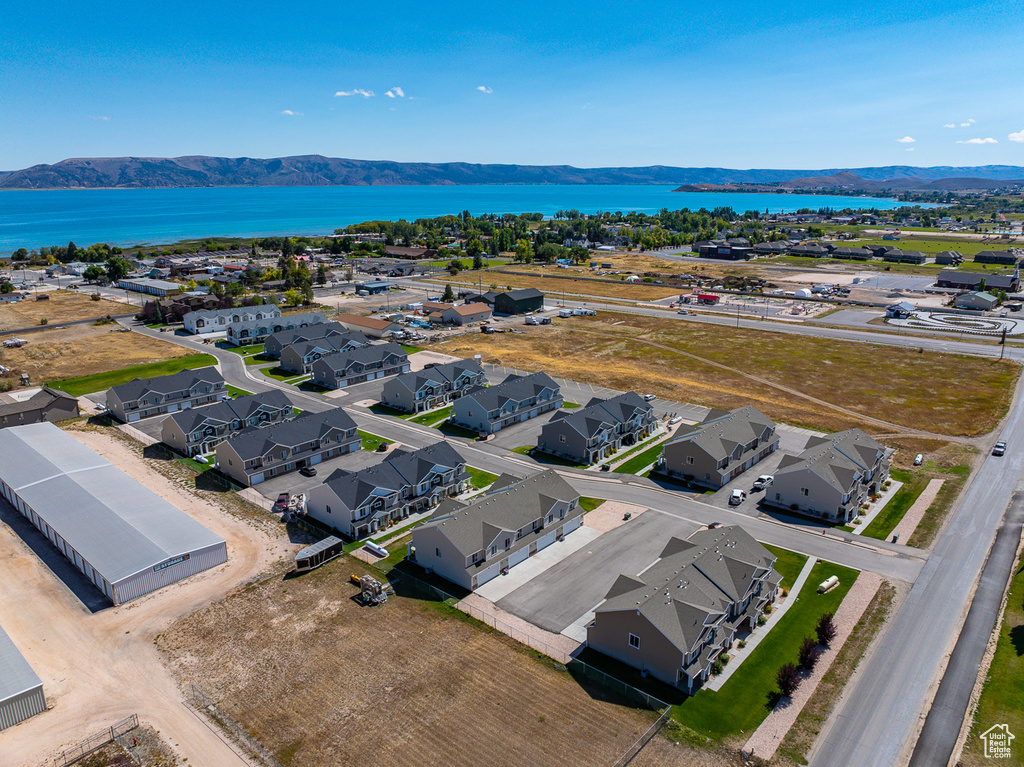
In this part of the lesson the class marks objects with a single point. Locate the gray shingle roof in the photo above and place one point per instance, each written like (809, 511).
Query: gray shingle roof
(308, 333)
(186, 379)
(37, 401)
(212, 314)
(600, 413)
(364, 355)
(693, 583)
(226, 411)
(260, 440)
(474, 526)
(722, 430)
(838, 458)
(515, 388)
(439, 374)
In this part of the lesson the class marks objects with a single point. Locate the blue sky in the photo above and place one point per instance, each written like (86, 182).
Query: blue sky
(784, 85)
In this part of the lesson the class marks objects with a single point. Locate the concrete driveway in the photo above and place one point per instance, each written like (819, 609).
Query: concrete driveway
(567, 590)
(293, 482)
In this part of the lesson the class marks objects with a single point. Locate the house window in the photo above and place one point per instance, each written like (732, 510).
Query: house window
(689, 460)
(508, 542)
(804, 491)
(561, 438)
(328, 509)
(470, 413)
(494, 550)
(437, 552)
(634, 641)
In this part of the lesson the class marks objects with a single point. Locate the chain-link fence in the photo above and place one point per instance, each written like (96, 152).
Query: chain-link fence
(643, 740)
(525, 637)
(199, 700)
(578, 667)
(95, 742)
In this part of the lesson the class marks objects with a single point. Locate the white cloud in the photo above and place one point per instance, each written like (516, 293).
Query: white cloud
(1018, 136)
(101, 118)
(484, 89)
(395, 93)
(965, 125)
(910, 149)
(356, 92)
(971, 121)
(290, 112)
(979, 141)
(906, 140)
(949, 125)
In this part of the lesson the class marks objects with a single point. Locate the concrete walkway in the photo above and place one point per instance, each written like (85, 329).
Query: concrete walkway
(876, 507)
(915, 513)
(737, 655)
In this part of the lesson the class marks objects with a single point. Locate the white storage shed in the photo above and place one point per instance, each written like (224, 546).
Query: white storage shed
(21, 691)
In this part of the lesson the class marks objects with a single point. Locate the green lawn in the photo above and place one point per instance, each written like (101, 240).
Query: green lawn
(589, 504)
(913, 485)
(433, 417)
(1002, 698)
(640, 461)
(454, 430)
(245, 351)
(480, 478)
(409, 349)
(371, 441)
(749, 695)
(278, 373)
(380, 409)
(76, 387)
(789, 564)
(569, 405)
(234, 391)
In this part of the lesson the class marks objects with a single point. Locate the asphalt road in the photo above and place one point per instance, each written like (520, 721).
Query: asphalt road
(942, 727)
(876, 720)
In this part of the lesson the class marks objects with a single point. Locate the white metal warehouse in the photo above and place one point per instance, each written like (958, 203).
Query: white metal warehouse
(125, 538)
(21, 692)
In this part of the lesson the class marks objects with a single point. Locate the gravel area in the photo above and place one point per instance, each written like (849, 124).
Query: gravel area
(773, 729)
(610, 515)
(556, 646)
(419, 360)
(915, 513)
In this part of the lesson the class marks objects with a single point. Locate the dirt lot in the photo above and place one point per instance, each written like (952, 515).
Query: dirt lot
(80, 350)
(320, 679)
(98, 668)
(62, 306)
(553, 285)
(728, 367)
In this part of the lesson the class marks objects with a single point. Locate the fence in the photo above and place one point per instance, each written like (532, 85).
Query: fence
(433, 592)
(644, 739)
(530, 640)
(576, 666)
(95, 742)
(200, 701)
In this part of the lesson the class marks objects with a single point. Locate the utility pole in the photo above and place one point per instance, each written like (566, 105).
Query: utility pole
(1002, 350)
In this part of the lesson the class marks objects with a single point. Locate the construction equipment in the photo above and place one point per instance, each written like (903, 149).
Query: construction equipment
(372, 591)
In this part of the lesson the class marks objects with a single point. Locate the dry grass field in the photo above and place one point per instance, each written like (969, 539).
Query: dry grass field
(725, 367)
(80, 350)
(62, 306)
(555, 286)
(319, 679)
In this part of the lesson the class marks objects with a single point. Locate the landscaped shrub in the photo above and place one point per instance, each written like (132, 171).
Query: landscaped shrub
(826, 629)
(716, 667)
(761, 620)
(742, 643)
(724, 658)
(768, 609)
(788, 679)
(809, 653)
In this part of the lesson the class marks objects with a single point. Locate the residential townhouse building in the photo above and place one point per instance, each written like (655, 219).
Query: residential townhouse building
(832, 477)
(723, 446)
(487, 410)
(300, 356)
(475, 542)
(276, 343)
(198, 431)
(257, 331)
(145, 397)
(594, 432)
(360, 503)
(367, 363)
(42, 404)
(673, 620)
(415, 392)
(256, 454)
(216, 320)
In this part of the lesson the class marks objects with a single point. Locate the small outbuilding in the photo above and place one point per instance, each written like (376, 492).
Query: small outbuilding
(21, 691)
(977, 300)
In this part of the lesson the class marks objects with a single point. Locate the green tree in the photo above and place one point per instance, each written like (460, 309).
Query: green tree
(449, 295)
(524, 251)
(478, 261)
(292, 297)
(321, 275)
(6, 287)
(117, 268)
(94, 273)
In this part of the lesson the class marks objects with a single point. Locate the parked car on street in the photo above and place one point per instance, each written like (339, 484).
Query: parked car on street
(1000, 448)
(737, 497)
(649, 397)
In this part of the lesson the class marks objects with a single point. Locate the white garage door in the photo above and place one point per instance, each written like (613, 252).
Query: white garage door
(133, 417)
(257, 478)
(518, 557)
(486, 575)
(547, 540)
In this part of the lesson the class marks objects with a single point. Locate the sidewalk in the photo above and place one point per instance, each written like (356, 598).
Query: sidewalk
(737, 655)
(876, 507)
(914, 514)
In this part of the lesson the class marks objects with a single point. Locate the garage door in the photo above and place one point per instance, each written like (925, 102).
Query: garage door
(547, 540)
(172, 408)
(518, 557)
(486, 575)
(133, 417)
(314, 459)
(256, 478)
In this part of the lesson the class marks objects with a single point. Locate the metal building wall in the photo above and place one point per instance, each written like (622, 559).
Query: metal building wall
(149, 580)
(18, 708)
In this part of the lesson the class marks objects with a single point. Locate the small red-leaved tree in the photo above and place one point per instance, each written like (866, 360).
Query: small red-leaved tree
(826, 629)
(809, 653)
(788, 679)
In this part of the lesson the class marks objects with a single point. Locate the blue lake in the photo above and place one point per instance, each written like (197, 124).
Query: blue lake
(34, 219)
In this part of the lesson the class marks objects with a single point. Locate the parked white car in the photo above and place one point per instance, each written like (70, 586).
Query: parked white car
(763, 481)
(737, 497)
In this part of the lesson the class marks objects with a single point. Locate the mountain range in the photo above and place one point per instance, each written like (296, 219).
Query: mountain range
(316, 170)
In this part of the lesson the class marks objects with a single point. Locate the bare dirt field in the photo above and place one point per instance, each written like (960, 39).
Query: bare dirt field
(61, 306)
(80, 350)
(98, 668)
(553, 285)
(817, 382)
(320, 679)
